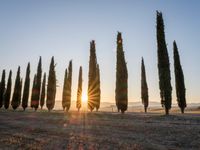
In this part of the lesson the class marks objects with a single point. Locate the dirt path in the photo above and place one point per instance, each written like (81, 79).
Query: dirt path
(101, 130)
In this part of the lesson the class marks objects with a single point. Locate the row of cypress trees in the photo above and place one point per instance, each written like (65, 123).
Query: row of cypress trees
(94, 91)
(38, 94)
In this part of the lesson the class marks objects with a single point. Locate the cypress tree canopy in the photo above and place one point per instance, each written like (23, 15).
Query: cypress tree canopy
(163, 65)
(26, 88)
(179, 80)
(2, 88)
(17, 91)
(69, 85)
(92, 77)
(51, 86)
(64, 94)
(79, 90)
(42, 97)
(8, 91)
(144, 87)
(121, 91)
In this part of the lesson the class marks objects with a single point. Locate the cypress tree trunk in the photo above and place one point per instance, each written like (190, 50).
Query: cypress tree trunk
(8, 91)
(69, 85)
(26, 88)
(92, 77)
(121, 91)
(179, 80)
(2, 88)
(64, 94)
(163, 66)
(51, 86)
(98, 95)
(42, 97)
(16, 94)
(33, 91)
(79, 90)
(38, 84)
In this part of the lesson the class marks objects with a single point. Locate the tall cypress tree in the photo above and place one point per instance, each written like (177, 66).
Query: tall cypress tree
(163, 66)
(69, 85)
(17, 89)
(43, 92)
(20, 90)
(33, 94)
(38, 84)
(144, 87)
(121, 91)
(79, 90)
(64, 94)
(98, 92)
(8, 91)
(179, 78)
(2, 88)
(92, 77)
(51, 86)
(26, 88)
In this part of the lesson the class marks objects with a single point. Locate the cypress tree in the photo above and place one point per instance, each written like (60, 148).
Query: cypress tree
(33, 97)
(26, 88)
(64, 94)
(163, 66)
(144, 87)
(121, 91)
(51, 86)
(98, 93)
(179, 80)
(79, 90)
(42, 97)
(38, 84)
(69, 85)
(20, 91)
(92, 77)
(17, 89)
(2, 88)
(8, 91)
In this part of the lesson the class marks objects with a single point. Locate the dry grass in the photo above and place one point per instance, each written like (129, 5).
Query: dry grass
(98, 130)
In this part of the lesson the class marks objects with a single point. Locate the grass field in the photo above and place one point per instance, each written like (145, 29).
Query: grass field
(98, 130)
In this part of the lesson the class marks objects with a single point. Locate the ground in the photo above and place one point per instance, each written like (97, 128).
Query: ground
(98, 130)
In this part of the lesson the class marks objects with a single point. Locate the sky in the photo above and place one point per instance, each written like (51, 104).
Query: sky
(64, 29)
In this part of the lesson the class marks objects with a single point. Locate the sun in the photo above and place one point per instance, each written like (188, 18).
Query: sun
(84, 98)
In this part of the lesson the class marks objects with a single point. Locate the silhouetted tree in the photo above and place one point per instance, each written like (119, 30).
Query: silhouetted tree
(33, 94)
(2, 88)
(17, 89)
(20, 91)
(179, 78)
(79, 90)
(92, 77)
(38, 84)
(144, 87)
(64, 94)
(69, 85)
(121, 91)
(163, 66)
(42, 97)
(8, 91)
(51, 86)
(98, 93)
(26, 88)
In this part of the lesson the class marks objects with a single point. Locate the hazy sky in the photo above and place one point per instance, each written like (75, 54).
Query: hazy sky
(64, 29)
